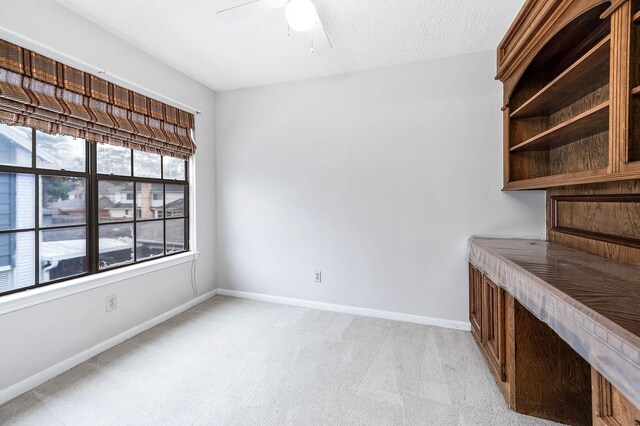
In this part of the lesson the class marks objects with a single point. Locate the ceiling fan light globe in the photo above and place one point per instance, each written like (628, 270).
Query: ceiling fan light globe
(301, 15)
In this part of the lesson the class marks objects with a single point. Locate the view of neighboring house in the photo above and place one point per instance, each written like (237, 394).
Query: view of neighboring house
(63, 202)
(116, 201)
(17, 256)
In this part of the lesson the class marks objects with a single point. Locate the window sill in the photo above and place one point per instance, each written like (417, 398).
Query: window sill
(25, 299)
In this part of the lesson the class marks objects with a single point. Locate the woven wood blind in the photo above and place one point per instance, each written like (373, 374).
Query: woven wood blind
(38, 92)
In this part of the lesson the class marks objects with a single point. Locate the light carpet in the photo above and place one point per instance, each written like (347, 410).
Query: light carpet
(230, 361)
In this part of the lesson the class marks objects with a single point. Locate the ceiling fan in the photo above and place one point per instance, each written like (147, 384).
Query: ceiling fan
(301, 16)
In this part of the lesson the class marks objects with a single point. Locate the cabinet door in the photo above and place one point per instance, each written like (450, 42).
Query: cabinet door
(610, 408)
(494, 327)
(475, 302)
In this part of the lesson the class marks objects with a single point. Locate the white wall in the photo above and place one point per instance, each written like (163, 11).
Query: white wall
(38, 337)
(376, 178)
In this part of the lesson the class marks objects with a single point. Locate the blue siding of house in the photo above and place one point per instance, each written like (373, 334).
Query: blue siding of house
(7, 217)
(7, 203)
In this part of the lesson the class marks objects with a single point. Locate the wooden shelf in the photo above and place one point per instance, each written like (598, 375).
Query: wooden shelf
(587, 74)
(571, 95)
(563, 179)
(591, 122)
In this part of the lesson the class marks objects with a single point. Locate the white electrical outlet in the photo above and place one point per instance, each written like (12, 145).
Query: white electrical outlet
(318, 276)
(112, 302)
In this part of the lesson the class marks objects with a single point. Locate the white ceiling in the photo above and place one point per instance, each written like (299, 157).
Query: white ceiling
(365, 34)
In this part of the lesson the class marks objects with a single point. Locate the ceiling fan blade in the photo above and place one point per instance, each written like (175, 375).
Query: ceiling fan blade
(243, 11)
(321, 43)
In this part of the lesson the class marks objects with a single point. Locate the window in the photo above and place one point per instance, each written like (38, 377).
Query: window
(59, 219)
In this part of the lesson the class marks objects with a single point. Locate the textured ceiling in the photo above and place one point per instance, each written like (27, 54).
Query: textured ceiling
(365, 34)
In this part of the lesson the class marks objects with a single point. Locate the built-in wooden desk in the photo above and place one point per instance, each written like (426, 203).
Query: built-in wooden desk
(541, 312)
(560, 327)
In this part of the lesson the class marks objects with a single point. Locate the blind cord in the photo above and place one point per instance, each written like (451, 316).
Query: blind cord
(194, 283)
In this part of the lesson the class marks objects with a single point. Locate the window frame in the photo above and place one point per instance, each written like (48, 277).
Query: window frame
(92, 221)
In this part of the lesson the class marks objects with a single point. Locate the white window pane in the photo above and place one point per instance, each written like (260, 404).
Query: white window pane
(115, 201)
(146, 164)
(149, 239)
(113, 160)
(60, 152)
(17, 261)
(16, 145)
(173, 168)
(63, 200)
(63, 253)
(17, 201)
(115, 245)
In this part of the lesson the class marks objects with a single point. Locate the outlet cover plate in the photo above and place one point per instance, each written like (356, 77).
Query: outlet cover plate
(318, 276)
(112, 302)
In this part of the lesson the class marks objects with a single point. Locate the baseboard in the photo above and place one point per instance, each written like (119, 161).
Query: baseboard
(394, 316)
(37, 379)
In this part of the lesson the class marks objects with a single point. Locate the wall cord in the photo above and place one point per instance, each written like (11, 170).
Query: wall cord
(194, 283)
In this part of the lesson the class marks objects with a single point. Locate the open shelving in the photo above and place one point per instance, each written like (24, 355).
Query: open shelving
(590, 122)
(571, 94)
(588, 73)
(559, 111)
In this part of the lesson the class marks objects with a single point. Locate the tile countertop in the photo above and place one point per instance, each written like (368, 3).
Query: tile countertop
(591, 302)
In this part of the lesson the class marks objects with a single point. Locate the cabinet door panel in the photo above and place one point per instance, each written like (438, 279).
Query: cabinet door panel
(610, 408)
(494, 327)
(475, 302)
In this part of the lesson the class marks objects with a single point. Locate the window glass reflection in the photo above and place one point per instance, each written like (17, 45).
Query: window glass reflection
(150, 239)
(115, 245)
(16, 145)
(17, 260)
(173, 168)
(60, 152)
(113, 160)
(63, 253)
(146, 164)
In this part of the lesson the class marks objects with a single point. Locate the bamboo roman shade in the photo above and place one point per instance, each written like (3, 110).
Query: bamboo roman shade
(38, 92)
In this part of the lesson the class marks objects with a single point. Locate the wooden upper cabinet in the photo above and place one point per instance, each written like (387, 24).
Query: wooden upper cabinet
(571, 78)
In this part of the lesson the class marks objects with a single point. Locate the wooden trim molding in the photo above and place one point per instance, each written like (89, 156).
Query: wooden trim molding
(555, 225)
(603, 399)
(536, 24)
(615, 4)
